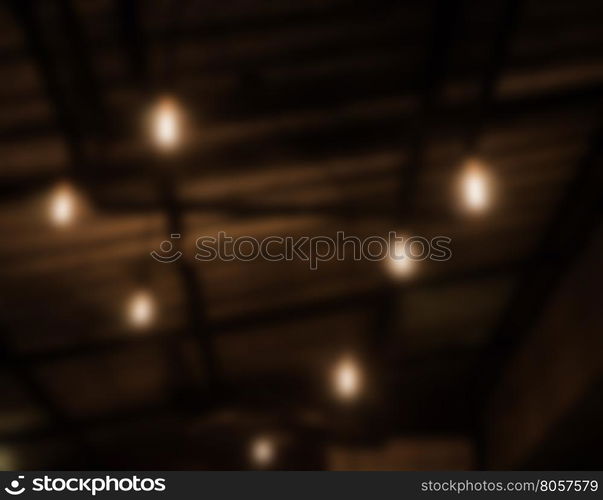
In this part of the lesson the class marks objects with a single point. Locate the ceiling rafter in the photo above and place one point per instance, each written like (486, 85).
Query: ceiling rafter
(574, 220)
(199, 327)
(391, 305)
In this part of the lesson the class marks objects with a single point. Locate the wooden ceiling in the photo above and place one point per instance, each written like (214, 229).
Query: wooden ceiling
(303, 118)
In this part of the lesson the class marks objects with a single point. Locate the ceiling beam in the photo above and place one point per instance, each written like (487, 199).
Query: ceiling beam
(387, 310)
(246, 395)
(369, 298)
(28, 20)
(496, 64)
(45, 401)
(162, 175)
(133, 42)
(446, 16)
(576, 217)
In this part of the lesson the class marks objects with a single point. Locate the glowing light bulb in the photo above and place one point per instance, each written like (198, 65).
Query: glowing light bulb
(400, 264)
(475, 187)
(166, 123)
(141, 309)
(262, 451)
(347, 379)
(62, 205)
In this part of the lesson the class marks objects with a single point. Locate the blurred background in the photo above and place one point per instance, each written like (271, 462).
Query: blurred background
(123, 122)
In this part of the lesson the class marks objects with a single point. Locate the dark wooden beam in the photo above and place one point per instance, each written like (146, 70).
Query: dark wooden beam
(497, 61)
(556, 369)
(370, 298)
(283, 396)
(577, 215)
(133, 41)
(43, 399)
(245, 154)
(89, 95)
(191, 280)
(446, 16)
(66, 115)
(387, 310)
(162, 175)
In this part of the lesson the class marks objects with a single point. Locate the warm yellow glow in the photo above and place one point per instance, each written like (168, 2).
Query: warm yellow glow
(400, 264)
(62, 206)
(141, 309)
(262, 451)
(475, 187)
(165, 122)
(8, 459)
(347, 379)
